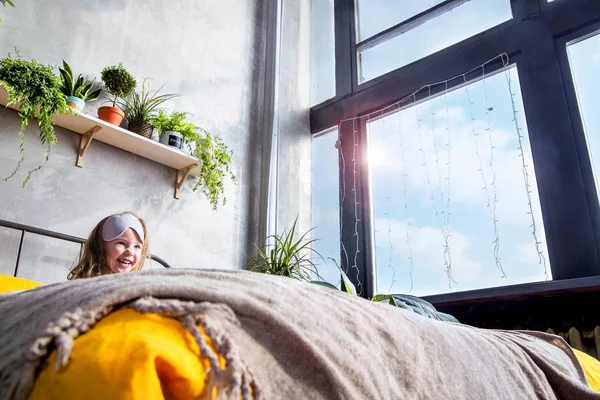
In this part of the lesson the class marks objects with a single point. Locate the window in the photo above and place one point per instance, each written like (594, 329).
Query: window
(449, 193)
(584, 58)
(546, 221)
(326, 205)
(322, 52)
(374, 16)
(427, 38)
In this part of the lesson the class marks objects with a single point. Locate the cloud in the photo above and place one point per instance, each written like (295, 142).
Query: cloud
(426, 247)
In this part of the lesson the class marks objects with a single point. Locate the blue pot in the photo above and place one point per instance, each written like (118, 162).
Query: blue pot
(75, 103)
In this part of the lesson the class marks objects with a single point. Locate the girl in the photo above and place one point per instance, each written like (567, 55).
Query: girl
(119, 243)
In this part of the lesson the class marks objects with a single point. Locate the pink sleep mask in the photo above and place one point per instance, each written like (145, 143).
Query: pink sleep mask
(115, 225)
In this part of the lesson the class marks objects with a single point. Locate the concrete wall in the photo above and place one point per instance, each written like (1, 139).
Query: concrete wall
(213, 53)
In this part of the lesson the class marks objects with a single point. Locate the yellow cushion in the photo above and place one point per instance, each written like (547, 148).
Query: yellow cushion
(591, 369)
(129, 355)
(10, 283)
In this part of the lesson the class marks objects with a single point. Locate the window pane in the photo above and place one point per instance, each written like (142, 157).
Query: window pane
(374, 16)
(584, 57)
(322, 52)
(449, 191)
(452, 27)
(326, 205)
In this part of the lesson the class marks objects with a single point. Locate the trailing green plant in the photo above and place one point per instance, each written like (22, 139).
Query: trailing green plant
(141, 106)
(118, 82)
(214, 153)
(36, 90)
(4, 3)
(216, 166)
(286, 256)
(80, 87)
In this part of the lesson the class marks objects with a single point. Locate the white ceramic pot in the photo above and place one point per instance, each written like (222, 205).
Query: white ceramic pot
(171, 138)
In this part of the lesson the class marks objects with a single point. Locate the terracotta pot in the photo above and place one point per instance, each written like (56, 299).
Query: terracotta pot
(112, 115)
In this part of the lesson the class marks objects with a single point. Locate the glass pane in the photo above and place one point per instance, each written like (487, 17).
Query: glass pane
(374, 16)
(450, 28)
(326, 205)
(322, 52)
(449, 193)
(584, 57)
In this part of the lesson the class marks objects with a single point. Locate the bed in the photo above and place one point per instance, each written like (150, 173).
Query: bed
(182, 334)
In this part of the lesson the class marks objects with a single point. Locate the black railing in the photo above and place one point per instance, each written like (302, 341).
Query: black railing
(55, 235)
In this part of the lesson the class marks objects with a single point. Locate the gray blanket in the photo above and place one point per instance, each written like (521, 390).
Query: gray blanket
(283, 339)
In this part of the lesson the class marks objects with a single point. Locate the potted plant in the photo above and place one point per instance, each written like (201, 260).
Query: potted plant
(286, 256)
(169, 127)
(77, 91)
(215, 156)
(36, 90)
(119, 83)
(140, 108)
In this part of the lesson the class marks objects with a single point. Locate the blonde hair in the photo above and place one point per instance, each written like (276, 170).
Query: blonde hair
(94, 263)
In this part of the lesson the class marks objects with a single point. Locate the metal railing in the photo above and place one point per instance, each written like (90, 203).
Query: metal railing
(56, 235)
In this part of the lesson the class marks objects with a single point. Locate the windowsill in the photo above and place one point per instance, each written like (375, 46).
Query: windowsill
(514, 292)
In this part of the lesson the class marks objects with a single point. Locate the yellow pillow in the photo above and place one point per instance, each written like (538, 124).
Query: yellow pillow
(10, 283)
(132, 356)
(591, 368)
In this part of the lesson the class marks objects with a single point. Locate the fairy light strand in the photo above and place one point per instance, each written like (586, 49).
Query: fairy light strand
(387, 214)
(356, 219)
(540, 253)
(447, 252)
(342, 168)
(494, 199)
(485, 188)
(405, 198)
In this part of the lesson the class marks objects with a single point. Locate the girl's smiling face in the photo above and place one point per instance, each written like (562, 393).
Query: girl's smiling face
(124, 252)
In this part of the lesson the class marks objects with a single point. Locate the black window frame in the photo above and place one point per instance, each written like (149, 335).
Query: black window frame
(535, 40)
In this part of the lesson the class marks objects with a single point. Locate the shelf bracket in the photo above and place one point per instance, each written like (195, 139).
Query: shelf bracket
(84, 143)
(182, 175)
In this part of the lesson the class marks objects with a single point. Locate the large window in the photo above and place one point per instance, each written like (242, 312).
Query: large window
(450, 182)
(454, 191)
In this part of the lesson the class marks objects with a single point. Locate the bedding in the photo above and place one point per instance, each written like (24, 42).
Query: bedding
(264, 337)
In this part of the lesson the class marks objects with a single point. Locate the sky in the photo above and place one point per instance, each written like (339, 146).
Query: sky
(411, 254)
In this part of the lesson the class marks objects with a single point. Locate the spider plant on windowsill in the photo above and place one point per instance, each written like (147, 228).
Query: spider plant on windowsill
(287, 256)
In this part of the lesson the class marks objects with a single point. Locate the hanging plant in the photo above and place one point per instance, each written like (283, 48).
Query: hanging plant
(37, 91)
(214, 153)
(216, 166)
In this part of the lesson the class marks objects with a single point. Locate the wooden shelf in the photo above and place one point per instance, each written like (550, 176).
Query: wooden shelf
(92, 128)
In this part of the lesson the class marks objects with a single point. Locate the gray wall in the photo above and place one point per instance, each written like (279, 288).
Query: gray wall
(213, 53)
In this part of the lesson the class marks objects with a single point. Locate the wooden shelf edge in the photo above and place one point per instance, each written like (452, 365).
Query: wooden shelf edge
(118, 137)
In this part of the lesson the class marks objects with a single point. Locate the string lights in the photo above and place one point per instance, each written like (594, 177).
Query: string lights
(443, 210)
